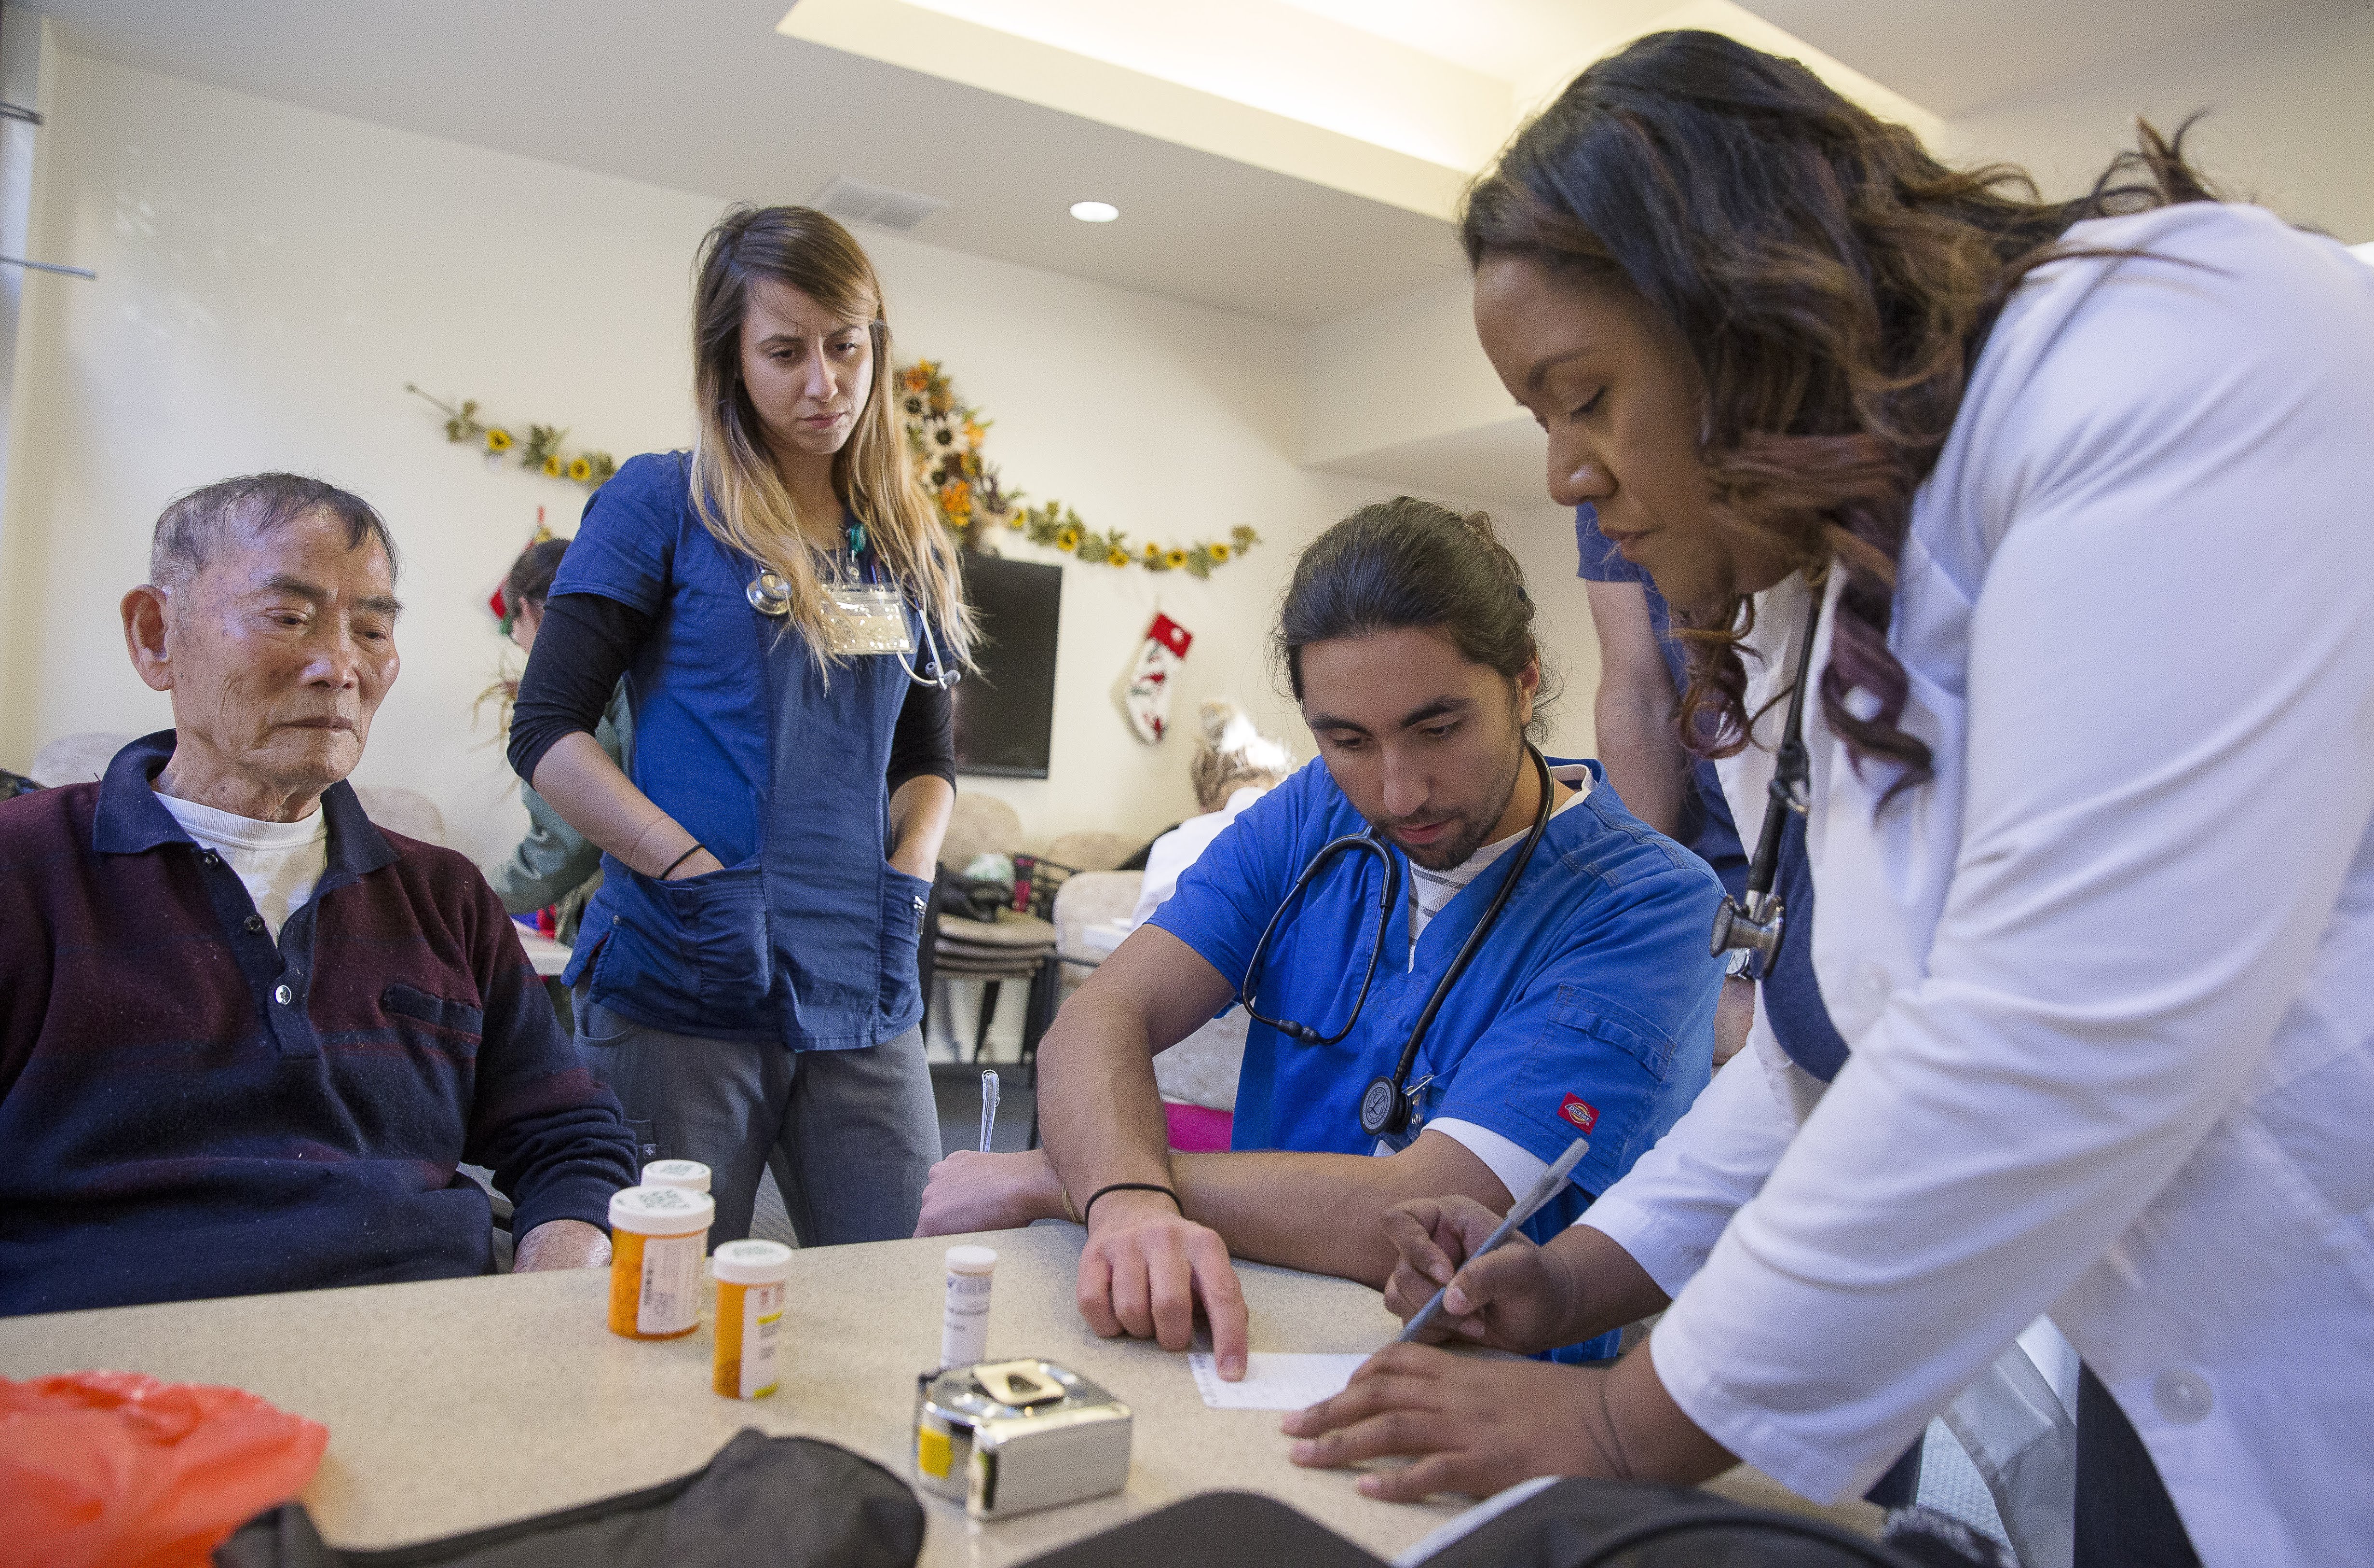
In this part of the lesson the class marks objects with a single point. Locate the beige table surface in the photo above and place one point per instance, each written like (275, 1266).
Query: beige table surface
(461, 1403)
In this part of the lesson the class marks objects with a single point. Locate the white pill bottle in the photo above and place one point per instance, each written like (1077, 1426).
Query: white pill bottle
(964, 1323)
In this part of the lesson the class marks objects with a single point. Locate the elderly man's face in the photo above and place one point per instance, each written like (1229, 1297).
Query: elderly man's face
(277, 655)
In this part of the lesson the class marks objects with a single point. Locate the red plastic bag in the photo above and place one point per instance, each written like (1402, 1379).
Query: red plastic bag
(117, 1469)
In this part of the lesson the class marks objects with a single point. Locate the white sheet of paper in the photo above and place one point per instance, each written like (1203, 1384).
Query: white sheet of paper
(1274, 1380)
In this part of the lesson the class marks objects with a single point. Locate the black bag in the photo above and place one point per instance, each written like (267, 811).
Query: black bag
(784, 1501)
(1570, 1523)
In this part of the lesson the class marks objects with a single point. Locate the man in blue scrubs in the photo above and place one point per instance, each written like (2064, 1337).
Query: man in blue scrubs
(1587, 1010)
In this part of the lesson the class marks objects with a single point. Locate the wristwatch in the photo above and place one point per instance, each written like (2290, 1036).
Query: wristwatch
(1735, 963)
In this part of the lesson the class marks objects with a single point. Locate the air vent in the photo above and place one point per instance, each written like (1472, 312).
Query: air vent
(857, 202)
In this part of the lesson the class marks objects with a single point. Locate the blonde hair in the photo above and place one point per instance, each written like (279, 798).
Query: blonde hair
(1234, 753)
(736, 489)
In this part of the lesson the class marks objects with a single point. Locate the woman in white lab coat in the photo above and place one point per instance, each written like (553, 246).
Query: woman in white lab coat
(2083, 494)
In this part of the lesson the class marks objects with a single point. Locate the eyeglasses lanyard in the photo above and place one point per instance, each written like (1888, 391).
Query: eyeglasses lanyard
(1756, 927)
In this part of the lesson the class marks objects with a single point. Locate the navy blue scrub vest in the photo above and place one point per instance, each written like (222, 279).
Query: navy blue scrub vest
(775, 762)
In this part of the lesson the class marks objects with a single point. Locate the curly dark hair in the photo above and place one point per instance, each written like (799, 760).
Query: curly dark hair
(1833, 284)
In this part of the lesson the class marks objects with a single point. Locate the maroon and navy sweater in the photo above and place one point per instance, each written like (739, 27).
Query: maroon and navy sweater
(189, 1109)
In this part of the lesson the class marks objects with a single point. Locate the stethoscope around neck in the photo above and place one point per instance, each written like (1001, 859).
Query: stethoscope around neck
(1753, 929)
(771, 595)
(1388, 1103)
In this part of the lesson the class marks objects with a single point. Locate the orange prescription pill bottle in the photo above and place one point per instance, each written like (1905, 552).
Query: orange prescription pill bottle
(750, 1288)
(658, 1238)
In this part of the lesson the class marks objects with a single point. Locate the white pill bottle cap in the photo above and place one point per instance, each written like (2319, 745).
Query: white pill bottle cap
(752, 1263)
(661, 1211)
(972, 1260)
(689, 1174)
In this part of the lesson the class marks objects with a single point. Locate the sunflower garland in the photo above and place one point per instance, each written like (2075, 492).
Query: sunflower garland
(944, 438)
(542, 450)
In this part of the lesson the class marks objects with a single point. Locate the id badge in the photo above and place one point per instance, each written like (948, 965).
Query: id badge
(865, 617)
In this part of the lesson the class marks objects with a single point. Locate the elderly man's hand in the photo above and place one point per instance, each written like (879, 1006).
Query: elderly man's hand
(562, 1243)
(971, 1191)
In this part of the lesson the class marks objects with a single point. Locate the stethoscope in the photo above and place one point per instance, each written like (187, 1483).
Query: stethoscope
(769, 594)
(1387, 1104)
(1754, 930)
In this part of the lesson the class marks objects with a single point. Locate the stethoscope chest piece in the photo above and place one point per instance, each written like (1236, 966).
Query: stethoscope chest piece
(1384, 1111)
(769, 594)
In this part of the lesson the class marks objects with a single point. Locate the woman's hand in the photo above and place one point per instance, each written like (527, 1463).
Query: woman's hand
(1477, 1426)
(1472, 1426)
(1517, 1299)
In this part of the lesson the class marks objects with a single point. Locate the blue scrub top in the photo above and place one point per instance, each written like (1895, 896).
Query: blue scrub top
(776, 764)
(1792, 995)
(1589, 1008)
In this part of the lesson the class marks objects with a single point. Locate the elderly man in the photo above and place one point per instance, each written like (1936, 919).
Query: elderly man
(245, 1037)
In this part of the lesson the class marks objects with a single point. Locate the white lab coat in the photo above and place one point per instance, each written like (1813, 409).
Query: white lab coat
(2109, 977)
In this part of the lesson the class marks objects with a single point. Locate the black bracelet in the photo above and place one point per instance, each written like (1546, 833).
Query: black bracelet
(1089, 1206)
(679, 860)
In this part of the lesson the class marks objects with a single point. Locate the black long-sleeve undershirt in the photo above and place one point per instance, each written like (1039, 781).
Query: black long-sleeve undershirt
(587, 641)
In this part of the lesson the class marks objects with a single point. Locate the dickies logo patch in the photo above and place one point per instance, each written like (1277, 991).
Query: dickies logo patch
(1580, 1111)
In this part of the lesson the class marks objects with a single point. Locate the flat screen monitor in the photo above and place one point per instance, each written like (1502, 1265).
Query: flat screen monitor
(1005, 709)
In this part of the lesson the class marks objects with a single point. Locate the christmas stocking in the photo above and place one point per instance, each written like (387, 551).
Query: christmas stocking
(1147, 699)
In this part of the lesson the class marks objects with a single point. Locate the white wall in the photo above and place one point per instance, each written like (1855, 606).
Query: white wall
(270, 277)
(2291, 120)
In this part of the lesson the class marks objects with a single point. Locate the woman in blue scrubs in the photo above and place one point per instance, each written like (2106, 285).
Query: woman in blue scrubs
(747, 974)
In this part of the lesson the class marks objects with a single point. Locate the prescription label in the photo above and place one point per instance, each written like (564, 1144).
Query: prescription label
(762, 1338)
(670, 1301)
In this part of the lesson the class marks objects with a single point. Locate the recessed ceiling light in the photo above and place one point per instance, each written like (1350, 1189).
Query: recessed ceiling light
(1095, 212)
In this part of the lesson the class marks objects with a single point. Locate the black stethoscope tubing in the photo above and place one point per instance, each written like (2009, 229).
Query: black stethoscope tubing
(1756, 926)
(1385, 1105)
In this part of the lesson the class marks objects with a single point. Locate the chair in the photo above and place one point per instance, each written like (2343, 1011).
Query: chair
(981, 824)
(78, 759)
(1090, 851)
(1013, 947)
(1087, 899)
(405, 811)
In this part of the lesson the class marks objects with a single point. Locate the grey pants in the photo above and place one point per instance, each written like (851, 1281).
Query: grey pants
(851, 1135)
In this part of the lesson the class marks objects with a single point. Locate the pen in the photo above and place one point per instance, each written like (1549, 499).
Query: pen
(1543, 1190)
(988, 1107)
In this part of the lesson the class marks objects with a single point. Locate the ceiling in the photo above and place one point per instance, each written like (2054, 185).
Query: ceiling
(708, 96)
(704, 94)
(1953, 57)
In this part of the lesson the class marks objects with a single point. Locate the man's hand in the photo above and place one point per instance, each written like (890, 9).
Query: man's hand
(562, 1243)
(1520, 1298)
(1146, 1268)
(1472, 1426)
(971, 1191)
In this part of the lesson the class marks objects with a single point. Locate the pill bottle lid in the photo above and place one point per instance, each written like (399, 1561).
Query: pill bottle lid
(661, 1211)
(752, 1263)
(689, 1174)
(972, 1260)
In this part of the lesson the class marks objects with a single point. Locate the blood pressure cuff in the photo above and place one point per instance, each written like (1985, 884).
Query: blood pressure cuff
(785, 1502)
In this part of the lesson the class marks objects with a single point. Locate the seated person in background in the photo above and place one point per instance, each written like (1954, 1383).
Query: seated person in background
(1588, 1007)
(245, 1037)
(1235, 765)
(555, 866)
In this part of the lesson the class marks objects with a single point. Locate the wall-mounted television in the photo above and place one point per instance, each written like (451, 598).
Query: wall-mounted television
(1005, 709)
